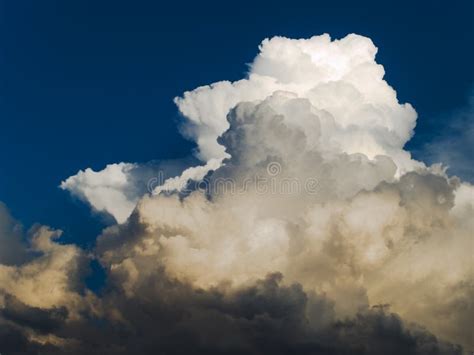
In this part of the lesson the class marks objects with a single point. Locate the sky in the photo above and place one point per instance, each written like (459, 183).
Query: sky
(75, 74)
(354, 101)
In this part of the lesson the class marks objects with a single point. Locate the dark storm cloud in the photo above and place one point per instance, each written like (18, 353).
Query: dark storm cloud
(41, 320)
(169, 317)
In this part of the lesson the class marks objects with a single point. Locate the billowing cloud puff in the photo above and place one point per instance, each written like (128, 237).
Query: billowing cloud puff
(109, 190)
(41, 291)
(308, 230)
(115, 190)
(338, 81)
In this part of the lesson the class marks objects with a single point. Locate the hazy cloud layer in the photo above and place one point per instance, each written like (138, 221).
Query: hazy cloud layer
(454, 146)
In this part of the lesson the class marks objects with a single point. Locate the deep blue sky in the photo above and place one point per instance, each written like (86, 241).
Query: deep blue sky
(86, 83)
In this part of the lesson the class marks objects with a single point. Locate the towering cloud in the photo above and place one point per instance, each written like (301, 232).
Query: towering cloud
(340, 79)
(308, 229)
(357, 110)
